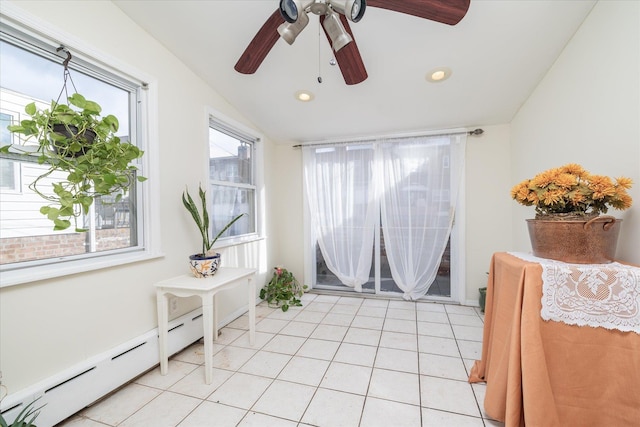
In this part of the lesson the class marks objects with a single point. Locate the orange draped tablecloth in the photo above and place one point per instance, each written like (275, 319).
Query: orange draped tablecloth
(546, 373)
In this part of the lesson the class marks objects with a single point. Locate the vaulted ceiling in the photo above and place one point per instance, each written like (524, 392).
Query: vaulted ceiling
(498, 53)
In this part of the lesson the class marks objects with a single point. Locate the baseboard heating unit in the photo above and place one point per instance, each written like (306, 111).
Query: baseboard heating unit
(70, 391)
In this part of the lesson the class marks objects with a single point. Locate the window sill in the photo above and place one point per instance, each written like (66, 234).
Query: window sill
(61, 268)
(229, 242)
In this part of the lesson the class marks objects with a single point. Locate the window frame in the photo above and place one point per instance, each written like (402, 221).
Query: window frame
(35, 32)
(239, 130)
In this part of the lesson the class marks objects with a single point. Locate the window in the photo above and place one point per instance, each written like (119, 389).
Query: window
(31, 70)
(232, 179)
(8, 168)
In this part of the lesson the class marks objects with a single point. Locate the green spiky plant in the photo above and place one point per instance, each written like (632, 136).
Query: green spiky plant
(25, 418)
(202, 219)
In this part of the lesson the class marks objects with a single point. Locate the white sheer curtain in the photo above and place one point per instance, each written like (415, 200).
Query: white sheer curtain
(420, 181)
(341, 194)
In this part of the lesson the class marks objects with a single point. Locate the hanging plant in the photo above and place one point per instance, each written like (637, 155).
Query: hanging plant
(85, 157)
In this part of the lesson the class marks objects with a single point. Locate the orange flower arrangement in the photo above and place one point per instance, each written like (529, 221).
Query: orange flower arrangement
(572, 190)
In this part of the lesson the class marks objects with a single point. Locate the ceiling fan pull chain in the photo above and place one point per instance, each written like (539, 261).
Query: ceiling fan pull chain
(319, 58)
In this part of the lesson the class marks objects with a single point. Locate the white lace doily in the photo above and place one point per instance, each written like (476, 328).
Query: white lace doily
(596, 295)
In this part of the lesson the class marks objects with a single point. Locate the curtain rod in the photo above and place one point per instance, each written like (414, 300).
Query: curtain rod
(475, 132)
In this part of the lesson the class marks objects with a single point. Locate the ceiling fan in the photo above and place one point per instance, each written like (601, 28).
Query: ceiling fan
(292, 17)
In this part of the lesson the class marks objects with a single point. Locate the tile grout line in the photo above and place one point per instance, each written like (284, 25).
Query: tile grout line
(475, 397)
(364, 402)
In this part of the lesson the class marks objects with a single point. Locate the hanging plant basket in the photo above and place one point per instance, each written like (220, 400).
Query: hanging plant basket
(70, 135)
(585, 241)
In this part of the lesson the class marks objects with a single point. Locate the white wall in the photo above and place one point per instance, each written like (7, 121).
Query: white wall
(587, 111)
(50, 325)
(487, 202)
(287, 209)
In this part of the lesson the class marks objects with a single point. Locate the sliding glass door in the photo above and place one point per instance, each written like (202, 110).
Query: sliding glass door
(325, 279)
(383, 222)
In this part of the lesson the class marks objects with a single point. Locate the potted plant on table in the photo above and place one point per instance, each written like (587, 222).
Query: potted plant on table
(84, 157)
(568, 201)
(205, 263)
(283, 290)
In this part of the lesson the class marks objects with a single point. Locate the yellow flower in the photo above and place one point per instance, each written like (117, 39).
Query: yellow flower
(553, 196)
(574, 169)
(520, 191)
(577, 197)
(566, 180)
(544, 179)
(624, 202)
(624, 182)
(570, 189)
(602, 187)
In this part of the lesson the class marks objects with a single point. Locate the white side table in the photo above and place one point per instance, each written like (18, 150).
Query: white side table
(206, 288)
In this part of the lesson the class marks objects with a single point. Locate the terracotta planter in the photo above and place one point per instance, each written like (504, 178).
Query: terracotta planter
(575, 241)
(202, 267)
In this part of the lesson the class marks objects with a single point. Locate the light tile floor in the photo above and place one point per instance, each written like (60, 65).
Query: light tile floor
(338, 361)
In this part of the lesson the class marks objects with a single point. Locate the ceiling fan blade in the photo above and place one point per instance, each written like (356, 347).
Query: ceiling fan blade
(260, 45)
(348, 58)
(444, 11)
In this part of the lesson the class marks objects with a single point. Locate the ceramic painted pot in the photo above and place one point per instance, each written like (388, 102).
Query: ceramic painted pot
(203, 267)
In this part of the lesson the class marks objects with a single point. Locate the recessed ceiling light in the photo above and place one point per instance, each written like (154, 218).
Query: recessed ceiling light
(439, 74)
(304, 96)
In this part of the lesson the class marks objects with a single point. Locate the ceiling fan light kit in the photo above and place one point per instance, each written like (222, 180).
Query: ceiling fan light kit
(334, 28)
(290, 30)
(352, 9)
(290, 10)
(291, 18)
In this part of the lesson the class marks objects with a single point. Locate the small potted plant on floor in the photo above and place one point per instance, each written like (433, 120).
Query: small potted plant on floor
(205, 263)
(84, 157)
(283, 290)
